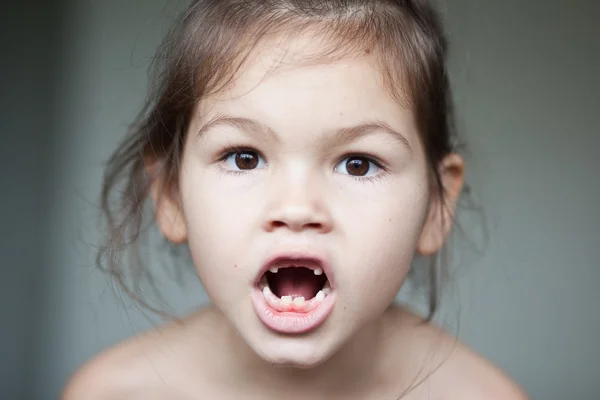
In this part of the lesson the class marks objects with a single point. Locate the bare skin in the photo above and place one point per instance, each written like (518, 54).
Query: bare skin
(302, 124)
(184, 361)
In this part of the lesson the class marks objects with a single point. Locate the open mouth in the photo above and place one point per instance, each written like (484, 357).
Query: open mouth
(294, 286)
(296, 283)
(294, 295)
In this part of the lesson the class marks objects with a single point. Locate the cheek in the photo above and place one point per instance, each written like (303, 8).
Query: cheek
(385, 238)
(218, 230)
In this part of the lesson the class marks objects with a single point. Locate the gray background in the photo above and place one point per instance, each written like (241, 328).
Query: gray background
(525, 76)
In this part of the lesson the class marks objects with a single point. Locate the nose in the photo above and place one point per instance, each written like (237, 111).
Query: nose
(298, 207)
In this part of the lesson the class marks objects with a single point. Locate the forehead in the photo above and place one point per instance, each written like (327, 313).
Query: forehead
(290, 86)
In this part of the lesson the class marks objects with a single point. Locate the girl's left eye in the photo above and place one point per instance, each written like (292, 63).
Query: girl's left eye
(358, 166)
(244, 160)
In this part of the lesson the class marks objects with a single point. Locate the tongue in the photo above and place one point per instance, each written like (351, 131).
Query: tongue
(296, 282)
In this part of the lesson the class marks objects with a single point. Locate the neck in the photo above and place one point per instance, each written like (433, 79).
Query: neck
(362, 360)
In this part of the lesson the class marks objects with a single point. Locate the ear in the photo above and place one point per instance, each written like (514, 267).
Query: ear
(167, 207)
(440, 216)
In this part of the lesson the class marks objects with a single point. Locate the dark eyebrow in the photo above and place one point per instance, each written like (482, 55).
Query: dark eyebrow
(348, 135)
(244, 124)
(342, 135)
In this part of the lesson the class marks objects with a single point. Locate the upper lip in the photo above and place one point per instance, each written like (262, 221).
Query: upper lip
(297, 258)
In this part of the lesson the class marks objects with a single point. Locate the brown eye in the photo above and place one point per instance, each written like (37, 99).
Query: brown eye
(357, 166)
(246, 160)
(243, 160)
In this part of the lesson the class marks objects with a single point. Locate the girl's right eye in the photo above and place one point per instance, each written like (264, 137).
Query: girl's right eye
(244, 160)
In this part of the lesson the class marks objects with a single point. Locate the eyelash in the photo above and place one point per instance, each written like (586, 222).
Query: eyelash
(383, 169)
(228, 151)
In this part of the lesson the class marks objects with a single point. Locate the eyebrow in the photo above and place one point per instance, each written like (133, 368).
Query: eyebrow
(342, 135)
(244, 124)
(348, 135)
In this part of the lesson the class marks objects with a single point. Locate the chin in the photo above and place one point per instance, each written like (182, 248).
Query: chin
(297, 351)
(293, 316)
(293, 302)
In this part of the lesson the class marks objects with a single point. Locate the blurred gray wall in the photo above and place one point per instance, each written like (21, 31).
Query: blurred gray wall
(30, 48)
(526, 85)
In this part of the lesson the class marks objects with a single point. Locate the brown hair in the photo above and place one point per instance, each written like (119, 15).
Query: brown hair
(211, 42)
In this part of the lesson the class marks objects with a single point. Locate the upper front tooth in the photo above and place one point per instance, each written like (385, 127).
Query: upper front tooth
(318, 271)
(274, 270)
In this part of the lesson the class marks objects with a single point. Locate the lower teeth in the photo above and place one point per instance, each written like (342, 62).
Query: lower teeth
(287, 302)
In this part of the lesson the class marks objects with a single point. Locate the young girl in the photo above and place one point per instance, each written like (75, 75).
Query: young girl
(303, 151)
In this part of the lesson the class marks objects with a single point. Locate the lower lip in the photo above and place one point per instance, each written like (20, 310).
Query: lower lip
(291, 322)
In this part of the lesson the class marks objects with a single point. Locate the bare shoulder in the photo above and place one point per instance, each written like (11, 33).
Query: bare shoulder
(454, 371)
(470, 376)
(148, 366)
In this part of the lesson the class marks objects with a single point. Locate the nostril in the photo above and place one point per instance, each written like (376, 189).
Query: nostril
(297, 219)
(310, 225)
(314, 225)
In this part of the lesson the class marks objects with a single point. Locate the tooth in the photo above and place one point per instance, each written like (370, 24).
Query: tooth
(274, 270)
(286, 300)
(266, 291)
(318, 271)
(326, 290)
(320, 296)
(299, 301)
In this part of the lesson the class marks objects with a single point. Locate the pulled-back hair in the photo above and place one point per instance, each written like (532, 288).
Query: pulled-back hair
(211, 42)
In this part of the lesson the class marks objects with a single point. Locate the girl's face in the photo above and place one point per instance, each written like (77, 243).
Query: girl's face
(305, 169)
